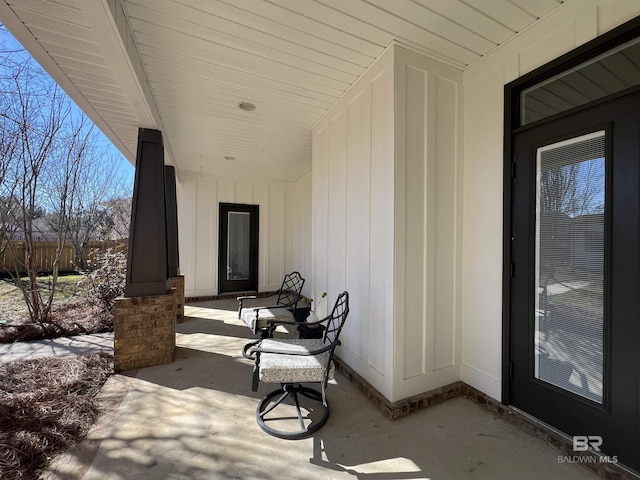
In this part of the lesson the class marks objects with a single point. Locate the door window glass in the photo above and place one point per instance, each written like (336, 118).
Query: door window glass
(569, 265)
(238, 246)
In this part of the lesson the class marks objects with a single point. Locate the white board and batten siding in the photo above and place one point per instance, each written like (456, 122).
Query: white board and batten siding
(284, 228)
(385, 183)
(381, 215)
(427, 226)
(566, 28)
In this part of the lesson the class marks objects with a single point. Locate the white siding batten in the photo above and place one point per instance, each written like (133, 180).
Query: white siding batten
(355, 140)
(428, 126)
(400, 205)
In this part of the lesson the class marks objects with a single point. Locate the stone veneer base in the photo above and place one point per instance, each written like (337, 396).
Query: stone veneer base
(552, 437)
(177, 283)
(144, 331)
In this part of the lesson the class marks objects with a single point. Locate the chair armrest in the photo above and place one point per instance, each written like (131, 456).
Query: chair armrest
(263, 307)
(277, 322)
(320, 321)
(246, 353)
(256, 310)
(253, 297)
(326, 348)
(296, 322)
(241, 301)
(246, 297)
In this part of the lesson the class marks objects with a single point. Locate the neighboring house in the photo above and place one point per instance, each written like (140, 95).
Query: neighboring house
(41, 232)
(588, 247)
(392, 148)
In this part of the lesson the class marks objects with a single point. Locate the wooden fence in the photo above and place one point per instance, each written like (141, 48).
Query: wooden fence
(45, 252)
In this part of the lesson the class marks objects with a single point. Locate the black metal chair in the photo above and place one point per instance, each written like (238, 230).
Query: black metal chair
(292, 362)
(261, 319)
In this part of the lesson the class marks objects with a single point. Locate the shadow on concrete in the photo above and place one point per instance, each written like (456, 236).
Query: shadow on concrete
(195, 419)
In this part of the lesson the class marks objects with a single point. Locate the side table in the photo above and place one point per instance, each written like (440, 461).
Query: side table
(305, 332)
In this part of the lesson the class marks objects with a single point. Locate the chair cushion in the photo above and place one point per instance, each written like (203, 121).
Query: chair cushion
(282, 368)
(248, 316)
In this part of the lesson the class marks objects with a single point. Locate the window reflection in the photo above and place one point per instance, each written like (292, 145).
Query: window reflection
(238, 246)
(570, 225)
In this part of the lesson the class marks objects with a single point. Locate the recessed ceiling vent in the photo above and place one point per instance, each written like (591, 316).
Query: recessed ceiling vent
(247, 106)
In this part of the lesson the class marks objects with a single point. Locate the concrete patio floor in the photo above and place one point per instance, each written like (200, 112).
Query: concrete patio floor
(195, 419)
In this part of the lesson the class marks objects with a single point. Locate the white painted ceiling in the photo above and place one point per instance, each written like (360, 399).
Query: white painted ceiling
(182, 66)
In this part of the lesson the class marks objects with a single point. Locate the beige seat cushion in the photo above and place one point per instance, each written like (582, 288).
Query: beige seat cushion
(248, 316)
(279, 368)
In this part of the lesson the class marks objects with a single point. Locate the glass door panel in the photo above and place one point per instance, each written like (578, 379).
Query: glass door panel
(238, 245)
(569, 265)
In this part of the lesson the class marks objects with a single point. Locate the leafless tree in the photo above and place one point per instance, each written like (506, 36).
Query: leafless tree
(9, 141)
(40, 124)
(119, 214)
(575, 189)
(571, 193)
(87, 218)
(50, 160)
(8, 145)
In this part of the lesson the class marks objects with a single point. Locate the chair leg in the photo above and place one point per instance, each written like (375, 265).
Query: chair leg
(266, 332)
(304, 425)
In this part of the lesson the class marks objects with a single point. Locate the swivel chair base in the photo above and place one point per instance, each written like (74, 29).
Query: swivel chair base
(302, 426)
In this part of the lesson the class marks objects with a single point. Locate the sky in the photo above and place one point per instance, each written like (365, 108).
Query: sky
(123, 166)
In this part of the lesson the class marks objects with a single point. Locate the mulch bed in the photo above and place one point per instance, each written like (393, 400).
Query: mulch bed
(46, 405)
(66, 320)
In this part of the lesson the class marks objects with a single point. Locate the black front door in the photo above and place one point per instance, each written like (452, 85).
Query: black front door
(573, 309)
(238, 248)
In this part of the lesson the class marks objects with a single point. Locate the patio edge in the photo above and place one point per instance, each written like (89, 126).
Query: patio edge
(559, 441)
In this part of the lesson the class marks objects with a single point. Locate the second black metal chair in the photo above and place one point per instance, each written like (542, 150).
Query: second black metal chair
(261, 319)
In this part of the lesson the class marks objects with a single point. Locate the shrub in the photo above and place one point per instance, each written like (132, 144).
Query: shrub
(106, 278)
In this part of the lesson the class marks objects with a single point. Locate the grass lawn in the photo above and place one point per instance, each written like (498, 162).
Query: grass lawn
(71, 313)
(69, 289)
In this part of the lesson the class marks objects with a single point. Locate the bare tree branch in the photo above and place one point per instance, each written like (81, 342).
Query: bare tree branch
(50, 166)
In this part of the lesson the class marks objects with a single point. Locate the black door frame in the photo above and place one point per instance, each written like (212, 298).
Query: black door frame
(570, 411)
(624, 33)
(224, 285)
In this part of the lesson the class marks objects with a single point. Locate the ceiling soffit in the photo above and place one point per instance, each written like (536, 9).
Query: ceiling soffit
(183, 66)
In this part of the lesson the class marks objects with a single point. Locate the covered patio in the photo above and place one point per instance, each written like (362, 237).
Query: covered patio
(195, 419)
(371, 138)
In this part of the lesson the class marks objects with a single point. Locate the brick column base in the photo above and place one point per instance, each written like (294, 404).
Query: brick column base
(178, 284)
(144, 331)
